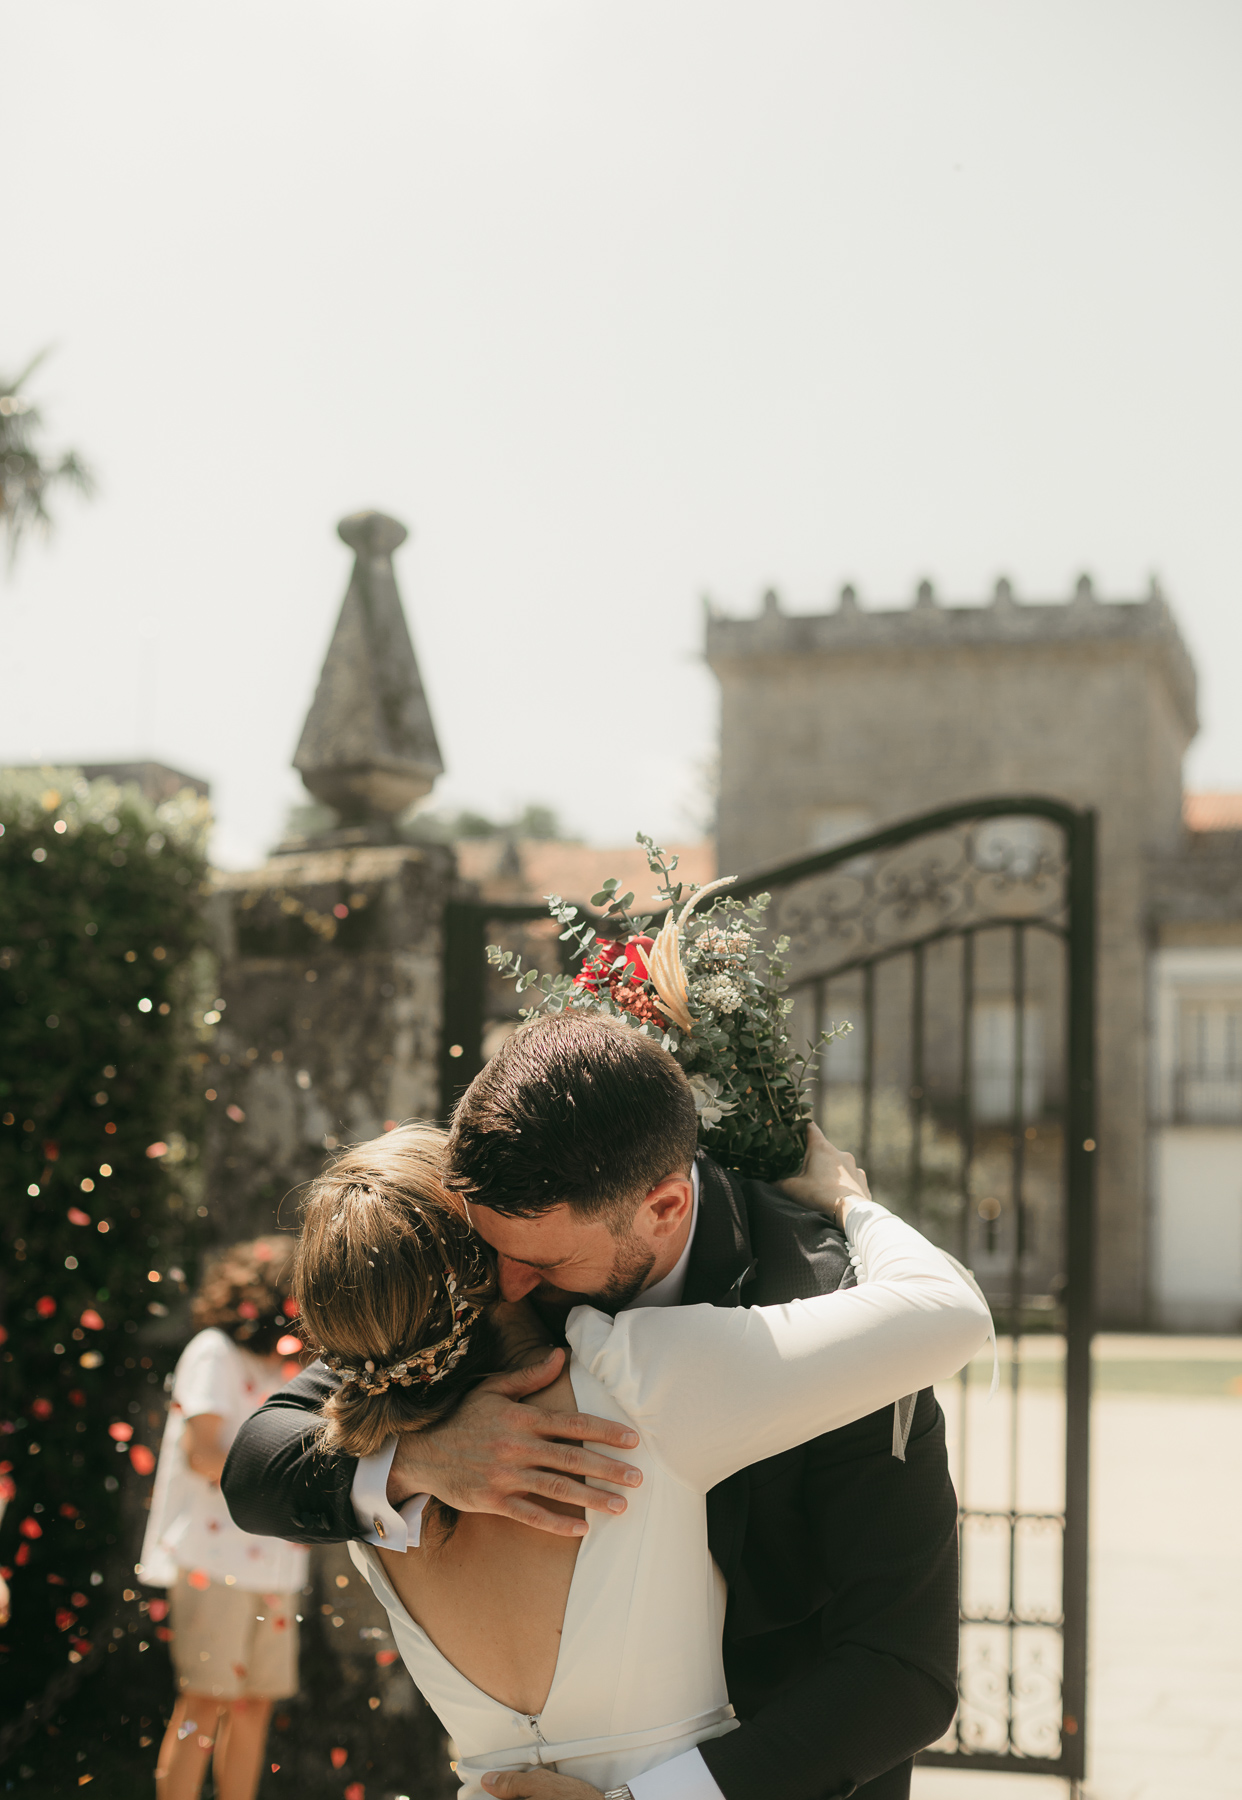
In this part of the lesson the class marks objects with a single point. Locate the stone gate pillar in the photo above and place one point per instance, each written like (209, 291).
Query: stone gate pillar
(331, 953)
(330, 975)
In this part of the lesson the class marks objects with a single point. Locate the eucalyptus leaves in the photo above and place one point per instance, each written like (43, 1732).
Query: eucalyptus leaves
(708, 990)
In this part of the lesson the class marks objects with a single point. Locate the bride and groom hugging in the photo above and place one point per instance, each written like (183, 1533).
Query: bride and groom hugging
(758, 1596)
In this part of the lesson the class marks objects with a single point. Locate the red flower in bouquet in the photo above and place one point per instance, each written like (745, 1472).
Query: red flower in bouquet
(625, 985)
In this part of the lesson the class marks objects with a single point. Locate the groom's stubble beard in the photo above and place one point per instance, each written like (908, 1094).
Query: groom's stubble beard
(626, 1280)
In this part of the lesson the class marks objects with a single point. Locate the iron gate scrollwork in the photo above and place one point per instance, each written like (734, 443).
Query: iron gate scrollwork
(961, 947)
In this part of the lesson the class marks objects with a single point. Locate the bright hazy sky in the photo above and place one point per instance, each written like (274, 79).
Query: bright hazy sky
(613, 305)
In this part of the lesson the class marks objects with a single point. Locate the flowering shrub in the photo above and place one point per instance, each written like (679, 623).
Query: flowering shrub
(708, 989)
(102, 966)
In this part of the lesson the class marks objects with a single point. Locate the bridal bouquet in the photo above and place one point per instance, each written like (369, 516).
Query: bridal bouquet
(708, 989)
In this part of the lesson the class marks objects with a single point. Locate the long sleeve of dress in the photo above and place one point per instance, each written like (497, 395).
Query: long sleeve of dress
(713, 1389)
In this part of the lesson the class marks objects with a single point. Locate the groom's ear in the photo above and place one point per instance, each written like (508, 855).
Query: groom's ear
(668, 1204)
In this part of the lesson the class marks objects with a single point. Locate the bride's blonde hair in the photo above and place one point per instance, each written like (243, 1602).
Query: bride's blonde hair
(390, 1282)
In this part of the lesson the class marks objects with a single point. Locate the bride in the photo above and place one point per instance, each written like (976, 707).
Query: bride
(565, 1668)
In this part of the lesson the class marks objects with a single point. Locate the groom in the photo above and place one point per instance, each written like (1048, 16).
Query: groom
(574, 1150)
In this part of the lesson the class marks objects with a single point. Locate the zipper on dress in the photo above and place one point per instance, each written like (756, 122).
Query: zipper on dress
(532, 1719)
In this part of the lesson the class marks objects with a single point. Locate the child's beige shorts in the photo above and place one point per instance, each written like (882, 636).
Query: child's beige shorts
(232, 1644)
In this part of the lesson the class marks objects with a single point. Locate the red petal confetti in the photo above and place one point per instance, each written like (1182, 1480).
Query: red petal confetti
(275, 1768)
(78, 1600)
(157, 1150)
(30, 1528)
(80, 1644)
(142, 1459)
(6, 1468)
(340, 910)
(247, 1309)
(66, 1511)
(65, 1618)
(236, 1114)
(120, 1431)
(45, 1306)
(57, 1581)
(8, 1488)
(339, 1757)
(290, 1308)
(78, 1217)
(109, 1128)
(355, 1791)
(199, 1578)
(91, 1319)
(51, 1152)
(42, 1409)
(384, 1657)
(76, 1397)
(158, 1610)
(163, 1634)
(288, 1345)
(4, 1335)
(23, 1555)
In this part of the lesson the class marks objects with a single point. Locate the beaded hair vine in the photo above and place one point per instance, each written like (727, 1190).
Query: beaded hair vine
(422, 1367)
(419, 1367)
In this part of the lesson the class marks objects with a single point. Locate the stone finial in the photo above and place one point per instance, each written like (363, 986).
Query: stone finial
(368, 747)
(771, 604)
(1002, 593)
(1084, 592)
(925, 594)
(847, 600)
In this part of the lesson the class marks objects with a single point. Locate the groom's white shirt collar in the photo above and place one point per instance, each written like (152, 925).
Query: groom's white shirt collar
(381, 1523)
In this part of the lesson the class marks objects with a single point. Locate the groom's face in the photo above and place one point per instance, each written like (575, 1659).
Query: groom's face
(563, 1258)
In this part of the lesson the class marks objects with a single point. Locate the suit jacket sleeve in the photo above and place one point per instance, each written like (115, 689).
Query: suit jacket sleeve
(277, 1483)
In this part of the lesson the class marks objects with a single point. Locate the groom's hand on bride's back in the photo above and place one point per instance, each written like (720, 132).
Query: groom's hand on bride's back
(493, 1455)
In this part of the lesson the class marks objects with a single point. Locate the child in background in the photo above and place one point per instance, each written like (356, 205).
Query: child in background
(233, 1597)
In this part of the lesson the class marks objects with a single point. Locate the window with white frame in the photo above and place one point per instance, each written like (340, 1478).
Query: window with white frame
(1208, 1070)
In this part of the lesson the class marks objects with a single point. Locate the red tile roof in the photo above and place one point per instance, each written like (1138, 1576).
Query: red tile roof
(1212, 812)
(574, 871)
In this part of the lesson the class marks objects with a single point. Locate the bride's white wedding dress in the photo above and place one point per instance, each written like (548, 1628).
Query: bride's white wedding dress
(639, 1677)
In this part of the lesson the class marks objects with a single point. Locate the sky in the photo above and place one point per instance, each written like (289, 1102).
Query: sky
(614, 307)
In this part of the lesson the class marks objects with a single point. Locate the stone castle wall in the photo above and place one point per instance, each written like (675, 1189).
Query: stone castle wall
(864, 718)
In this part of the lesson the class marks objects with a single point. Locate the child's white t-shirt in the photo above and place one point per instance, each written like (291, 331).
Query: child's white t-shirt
(190, 1528)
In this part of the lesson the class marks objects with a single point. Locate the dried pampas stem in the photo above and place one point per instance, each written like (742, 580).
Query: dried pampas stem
(664, 964)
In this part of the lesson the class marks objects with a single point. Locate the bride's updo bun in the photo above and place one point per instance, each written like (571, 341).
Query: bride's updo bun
(390, 1282)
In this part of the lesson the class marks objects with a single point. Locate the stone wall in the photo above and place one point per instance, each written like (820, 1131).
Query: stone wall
(330, 973)
(872, 717)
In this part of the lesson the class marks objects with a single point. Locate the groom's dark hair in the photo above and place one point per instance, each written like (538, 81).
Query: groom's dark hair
(572, 1110)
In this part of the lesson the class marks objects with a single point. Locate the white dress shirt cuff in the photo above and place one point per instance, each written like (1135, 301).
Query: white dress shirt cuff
(684, 1777)
(381, 1524)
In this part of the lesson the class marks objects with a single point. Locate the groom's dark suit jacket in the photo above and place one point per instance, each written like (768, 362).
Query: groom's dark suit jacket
(841, 1633)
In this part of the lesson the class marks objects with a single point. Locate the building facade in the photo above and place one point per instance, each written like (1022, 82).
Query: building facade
(833, 725)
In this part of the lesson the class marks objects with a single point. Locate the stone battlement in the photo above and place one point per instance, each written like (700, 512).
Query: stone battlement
(1005, 623)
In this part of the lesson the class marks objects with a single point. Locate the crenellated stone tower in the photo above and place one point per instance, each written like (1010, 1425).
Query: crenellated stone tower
(834, 724)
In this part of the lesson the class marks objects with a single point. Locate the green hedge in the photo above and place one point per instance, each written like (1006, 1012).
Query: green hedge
(104, 999)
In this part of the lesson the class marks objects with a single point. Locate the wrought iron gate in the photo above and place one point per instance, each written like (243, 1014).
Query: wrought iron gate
(960, 945)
